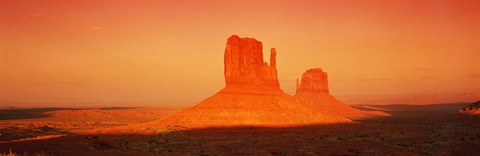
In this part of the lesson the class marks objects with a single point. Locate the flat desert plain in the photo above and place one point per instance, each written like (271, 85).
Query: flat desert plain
(410, 130)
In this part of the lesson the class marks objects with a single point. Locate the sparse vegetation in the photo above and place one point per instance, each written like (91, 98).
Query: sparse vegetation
(10, 153)
(407, 132)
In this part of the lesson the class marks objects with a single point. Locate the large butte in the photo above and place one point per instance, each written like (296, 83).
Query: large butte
(251, 96)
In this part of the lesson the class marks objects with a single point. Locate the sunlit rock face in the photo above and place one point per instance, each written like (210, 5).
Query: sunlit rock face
(313, 92)
(313, 81)
(245, 69)
(252, 94)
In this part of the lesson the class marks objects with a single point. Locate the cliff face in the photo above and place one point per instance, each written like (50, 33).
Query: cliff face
(313, 92)
(244, 64)
(313, 81)
(252, 95)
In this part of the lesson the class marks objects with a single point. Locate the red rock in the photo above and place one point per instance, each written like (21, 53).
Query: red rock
(239, 109)
(244, 65)
(313, 92)
(252, 95)
(313, 81)
(472, 106)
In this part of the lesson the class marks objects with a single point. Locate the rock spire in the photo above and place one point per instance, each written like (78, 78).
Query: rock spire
(252, 94)
(244, 64)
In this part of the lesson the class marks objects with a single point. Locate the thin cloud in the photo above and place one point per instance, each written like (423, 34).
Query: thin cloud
(427, 77)
(38, 14)
(472, 76)
(98, 28)
(45, 82)
(426, 69)
(375, 79)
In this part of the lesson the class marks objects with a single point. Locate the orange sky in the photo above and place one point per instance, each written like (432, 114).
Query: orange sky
(171, 52)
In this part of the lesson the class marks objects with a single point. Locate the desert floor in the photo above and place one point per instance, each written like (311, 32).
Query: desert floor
(411, 130)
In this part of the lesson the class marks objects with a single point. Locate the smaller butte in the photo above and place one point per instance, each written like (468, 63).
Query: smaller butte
(313, 92)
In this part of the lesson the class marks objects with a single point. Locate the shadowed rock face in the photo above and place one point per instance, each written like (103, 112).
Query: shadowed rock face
(313, 92)
(252, 95)
(244, 65)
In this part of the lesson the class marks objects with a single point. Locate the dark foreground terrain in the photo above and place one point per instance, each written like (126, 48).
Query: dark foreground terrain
(411, 130)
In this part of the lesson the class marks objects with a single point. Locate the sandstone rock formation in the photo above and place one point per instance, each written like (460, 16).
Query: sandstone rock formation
(313, 92)
(313, 81)
(252, 95)
(244, 65)
(472, 106)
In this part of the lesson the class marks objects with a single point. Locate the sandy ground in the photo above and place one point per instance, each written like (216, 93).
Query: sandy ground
(411, 130)
(37, 123)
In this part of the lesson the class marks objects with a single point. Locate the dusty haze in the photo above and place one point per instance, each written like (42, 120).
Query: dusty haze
(170, 52)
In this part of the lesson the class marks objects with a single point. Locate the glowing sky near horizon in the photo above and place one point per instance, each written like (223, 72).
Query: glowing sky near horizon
(171, 52)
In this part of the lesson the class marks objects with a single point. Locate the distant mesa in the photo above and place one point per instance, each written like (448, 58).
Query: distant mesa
(473, 108)
(252, 95)
(313, 91)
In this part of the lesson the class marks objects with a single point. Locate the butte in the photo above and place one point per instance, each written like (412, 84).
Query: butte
(313, 92)
(251, 96)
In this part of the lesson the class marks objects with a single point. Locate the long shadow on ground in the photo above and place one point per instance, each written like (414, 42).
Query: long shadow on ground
(409, 131)
(28, 113)
(33, 113)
